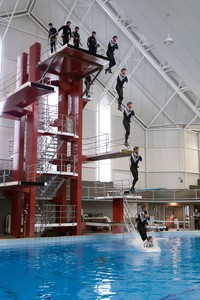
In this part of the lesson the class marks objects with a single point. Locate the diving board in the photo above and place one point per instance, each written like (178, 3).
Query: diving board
(118, 197)
(109, 155)
(50, 225)
(14, 104)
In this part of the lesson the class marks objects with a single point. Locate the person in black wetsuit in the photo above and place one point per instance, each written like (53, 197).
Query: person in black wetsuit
(196, 219)
(112, 46)
(127, 115)
(52, 37)
(76, 38)
(135, 158)
(143, 217)
(67, 33)
(121, 79)
(87, 82)
(92, 43)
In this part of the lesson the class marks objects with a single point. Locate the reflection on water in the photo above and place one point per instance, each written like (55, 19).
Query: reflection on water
(103, 269)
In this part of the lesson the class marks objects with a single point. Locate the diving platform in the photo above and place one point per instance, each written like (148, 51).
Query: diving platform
(109, 155)
(61, 134)
(130, 197)
(63, 173)
(70, 62)
(15, 185)
(54, 225)
(15, 104)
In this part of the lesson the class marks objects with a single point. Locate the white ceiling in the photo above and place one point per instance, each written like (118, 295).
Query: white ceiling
(183, 24)
(164, 81)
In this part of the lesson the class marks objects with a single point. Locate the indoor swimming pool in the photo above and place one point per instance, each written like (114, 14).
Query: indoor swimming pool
(103, 267)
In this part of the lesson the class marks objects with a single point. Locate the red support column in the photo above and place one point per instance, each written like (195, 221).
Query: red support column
(76, 151)
(18, 157)
(31, 139)
(118, 214)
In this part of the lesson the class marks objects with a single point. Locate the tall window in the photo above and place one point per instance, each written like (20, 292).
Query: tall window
(104, 130)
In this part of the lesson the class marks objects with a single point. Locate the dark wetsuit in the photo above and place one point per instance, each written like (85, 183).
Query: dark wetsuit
(92, 44)
(52, 38)
(119, 88)
(110, 54)
(76, 39)
(67, 34)
(196, 220)
(141, 225)
(126, 121)
(134, 168)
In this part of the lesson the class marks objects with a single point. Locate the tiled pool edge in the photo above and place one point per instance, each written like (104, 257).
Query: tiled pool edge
(69, 239)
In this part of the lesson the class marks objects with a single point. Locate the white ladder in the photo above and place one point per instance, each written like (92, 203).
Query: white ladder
(128, 217)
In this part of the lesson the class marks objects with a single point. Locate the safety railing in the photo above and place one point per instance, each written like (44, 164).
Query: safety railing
(167, 195)
(49, 191)
(96, 144)
(157, 195)
(8, 83)
(101, 144)
(60, 165)
(53, 215)
(11, 148)
(5, 171)
(105, 189)
(50, 119)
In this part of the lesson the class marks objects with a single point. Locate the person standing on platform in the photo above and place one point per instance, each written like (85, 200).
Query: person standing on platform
(76, 37)
(52, 37)
(112, 46)
(196, 217)
(67, 33)
(142, 221)
(127, 115)
(92, 43)
(135, 158)
(121, 79)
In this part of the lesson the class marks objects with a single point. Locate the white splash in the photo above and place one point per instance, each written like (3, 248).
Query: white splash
(139, 245)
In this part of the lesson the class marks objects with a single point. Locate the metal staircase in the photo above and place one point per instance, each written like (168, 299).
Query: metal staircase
(48, 147)
(128, 217)
(51, 189)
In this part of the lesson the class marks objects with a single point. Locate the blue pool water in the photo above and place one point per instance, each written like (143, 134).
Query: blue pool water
(105, 267)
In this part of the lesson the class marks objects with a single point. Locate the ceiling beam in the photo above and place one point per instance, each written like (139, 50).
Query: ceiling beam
(152, 100)
(132, 38)
(161, 109)
(10, 20)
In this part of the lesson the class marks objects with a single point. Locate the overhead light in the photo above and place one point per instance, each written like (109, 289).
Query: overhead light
(169, 41)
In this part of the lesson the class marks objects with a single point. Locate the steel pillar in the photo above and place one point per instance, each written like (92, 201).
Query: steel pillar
(61, 196)
(18, 157)
(118, 214)
(76, 152)
(31, 139)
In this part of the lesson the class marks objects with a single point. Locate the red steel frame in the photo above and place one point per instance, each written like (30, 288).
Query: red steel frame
(69, 66)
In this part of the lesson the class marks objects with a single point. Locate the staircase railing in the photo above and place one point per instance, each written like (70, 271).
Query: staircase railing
(128, 217)
(50, 215)
(51, 188)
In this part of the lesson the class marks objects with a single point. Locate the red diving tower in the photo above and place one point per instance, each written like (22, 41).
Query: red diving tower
(48, 143)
